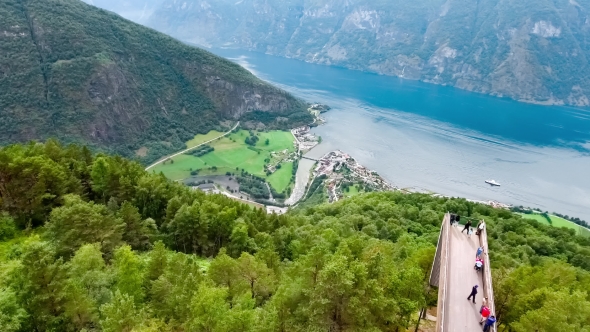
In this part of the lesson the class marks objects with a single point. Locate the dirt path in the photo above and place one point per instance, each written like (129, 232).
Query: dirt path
(194, 147)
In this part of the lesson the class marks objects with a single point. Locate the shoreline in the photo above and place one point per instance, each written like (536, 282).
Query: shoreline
(305, 142)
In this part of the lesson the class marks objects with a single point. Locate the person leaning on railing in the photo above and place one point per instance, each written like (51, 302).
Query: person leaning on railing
(480, 226)
(489, 323)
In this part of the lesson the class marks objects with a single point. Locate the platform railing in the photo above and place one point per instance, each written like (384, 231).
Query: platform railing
(439, 272)
(488, 289)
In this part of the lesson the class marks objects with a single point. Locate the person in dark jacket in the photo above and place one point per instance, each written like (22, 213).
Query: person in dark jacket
(489, 323)
(467, 227)
(473, 293)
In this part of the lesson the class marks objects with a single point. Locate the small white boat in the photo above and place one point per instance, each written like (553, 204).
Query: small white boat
(493, 183)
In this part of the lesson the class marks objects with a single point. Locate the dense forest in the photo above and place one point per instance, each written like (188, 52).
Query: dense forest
(95, 243)
(85, 75)
(253, 185)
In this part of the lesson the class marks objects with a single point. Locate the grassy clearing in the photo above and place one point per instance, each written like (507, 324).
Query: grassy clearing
(352, 191)
(232, 154)
(557, 222)
(199, 139)
(281, 179)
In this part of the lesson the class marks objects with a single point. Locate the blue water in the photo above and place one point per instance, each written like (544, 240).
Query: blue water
(443, 139)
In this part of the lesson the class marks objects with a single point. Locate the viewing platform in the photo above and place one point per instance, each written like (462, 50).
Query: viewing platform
(454, 275)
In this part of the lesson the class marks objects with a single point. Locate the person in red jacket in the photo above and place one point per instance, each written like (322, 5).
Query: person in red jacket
(485, 313)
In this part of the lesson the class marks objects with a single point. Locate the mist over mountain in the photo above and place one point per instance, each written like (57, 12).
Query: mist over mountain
(138, 11)
(535, 51)
(81, 74)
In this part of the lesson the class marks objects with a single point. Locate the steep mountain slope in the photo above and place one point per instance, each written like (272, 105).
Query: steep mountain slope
(535, 51)
(81, 74)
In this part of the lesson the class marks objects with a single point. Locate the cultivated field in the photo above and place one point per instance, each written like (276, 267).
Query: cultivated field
(203, 138)
(557, 222)
(232, 154)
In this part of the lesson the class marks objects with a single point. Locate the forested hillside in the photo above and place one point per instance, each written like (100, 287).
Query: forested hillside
(82, 74)
(528, 50)
(93, 242)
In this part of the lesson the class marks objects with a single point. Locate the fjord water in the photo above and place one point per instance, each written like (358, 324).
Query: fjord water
(441, 139)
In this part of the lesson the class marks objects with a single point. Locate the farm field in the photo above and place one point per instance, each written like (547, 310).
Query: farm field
(557, 222)
(282, 177)
(233, 155)
(198, 139)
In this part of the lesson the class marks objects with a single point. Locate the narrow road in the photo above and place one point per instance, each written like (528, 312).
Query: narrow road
(296, 140)
(194, 147)
(462, 315)
(271, 199)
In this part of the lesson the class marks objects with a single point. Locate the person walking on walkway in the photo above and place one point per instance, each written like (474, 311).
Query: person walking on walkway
(467, 227)
(489, 323)
(473, 293)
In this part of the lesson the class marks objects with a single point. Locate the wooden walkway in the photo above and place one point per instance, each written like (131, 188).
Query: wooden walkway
(454, 275)
(463, 315)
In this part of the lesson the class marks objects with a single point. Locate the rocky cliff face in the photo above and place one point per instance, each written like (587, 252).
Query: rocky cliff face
(535, 51)
(81, 74)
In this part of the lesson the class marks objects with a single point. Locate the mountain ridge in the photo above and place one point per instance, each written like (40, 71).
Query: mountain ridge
(83, 74)
(529, 51)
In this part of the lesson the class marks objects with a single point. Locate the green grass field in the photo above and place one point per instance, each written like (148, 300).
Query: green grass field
(282, 177)
(198, 139)
(557, 222)
(232, 152)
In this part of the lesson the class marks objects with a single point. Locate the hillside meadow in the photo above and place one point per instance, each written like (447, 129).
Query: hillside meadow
(557, 222)
(232, 154)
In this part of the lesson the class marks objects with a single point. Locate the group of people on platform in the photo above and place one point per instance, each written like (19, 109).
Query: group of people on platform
(487, 318)
(478, 260)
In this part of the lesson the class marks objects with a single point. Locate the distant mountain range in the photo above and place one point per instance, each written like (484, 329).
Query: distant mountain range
(81, 74)
(535, 51)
